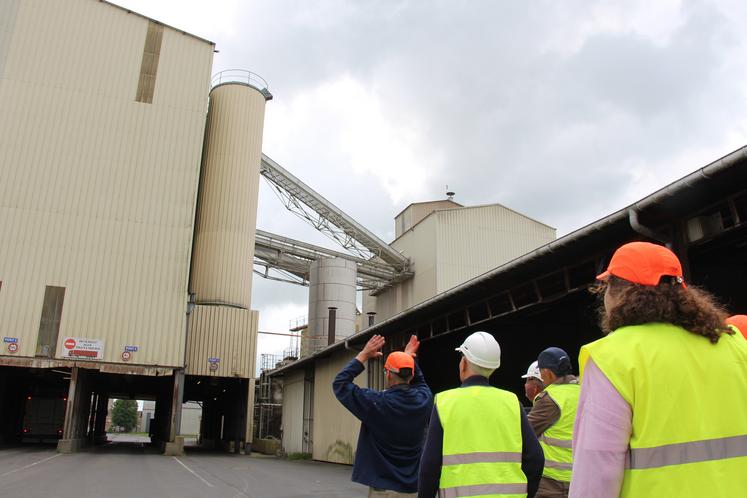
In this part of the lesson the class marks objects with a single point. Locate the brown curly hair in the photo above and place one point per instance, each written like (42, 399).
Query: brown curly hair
(693, 309)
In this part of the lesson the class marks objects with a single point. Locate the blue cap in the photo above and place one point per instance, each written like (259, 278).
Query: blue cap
(556, 360)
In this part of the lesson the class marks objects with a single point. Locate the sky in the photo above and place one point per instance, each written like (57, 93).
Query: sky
(564, 111)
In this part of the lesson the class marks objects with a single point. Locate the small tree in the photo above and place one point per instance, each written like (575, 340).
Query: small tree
(124, 414)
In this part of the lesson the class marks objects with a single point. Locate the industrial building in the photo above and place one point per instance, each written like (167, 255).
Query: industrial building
(127, 213)
(535, 300)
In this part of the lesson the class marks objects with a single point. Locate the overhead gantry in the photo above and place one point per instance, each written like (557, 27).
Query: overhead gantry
(379, 265)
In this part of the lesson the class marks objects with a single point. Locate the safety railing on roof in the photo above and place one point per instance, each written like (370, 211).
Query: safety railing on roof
(239, 76)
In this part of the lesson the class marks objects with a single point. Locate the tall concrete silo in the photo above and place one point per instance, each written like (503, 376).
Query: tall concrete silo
(222, 330)
(332, 284)
(227, 203)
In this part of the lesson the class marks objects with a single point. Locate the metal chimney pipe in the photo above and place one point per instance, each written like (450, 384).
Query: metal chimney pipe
(332, 325)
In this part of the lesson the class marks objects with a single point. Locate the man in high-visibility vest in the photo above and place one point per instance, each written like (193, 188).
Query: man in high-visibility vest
(552, 418)
(653, 417)
(533, 384)
(479, 442)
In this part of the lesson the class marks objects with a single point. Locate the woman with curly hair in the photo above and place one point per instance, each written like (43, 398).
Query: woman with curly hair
(663, 405)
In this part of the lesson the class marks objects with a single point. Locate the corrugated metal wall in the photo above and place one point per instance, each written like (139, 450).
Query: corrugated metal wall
(473, 241)
(419, 244)
(293, 385)
(452, 246)
(226, 334)
(227, 212)
(98, 191)
(335, 428)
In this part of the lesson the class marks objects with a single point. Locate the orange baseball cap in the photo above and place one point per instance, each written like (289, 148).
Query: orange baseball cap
(740, 322)
(643, 263)
(398, 360)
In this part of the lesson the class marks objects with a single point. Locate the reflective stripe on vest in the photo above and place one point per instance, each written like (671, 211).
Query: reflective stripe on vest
(482, 443)
(557, 440)
(693, 452)
(483, 490)
(689, 434)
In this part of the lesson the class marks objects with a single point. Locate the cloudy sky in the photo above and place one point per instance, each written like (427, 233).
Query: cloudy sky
(565, 111)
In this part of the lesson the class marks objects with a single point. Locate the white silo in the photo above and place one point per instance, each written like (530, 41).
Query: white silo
(332, 284)
(229, 185)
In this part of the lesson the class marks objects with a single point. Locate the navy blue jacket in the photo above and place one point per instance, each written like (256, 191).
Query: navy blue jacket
(393, 424)
(532, 457)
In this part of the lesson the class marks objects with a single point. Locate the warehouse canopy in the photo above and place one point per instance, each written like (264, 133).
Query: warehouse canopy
(707, 205)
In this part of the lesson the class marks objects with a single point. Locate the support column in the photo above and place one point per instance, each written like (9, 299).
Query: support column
(249, 426)
(76, 412)
(175, 443)
(99, 430)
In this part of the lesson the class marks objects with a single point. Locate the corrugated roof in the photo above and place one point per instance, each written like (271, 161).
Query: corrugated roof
(700, 188)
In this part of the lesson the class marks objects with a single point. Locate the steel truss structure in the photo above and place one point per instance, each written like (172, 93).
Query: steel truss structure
(288, 260)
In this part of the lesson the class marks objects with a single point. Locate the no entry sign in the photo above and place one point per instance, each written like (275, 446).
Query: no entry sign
(89, 349)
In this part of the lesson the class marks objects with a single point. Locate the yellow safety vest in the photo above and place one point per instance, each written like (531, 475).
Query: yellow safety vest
(482, 443)
(689, 403)
(556, 441)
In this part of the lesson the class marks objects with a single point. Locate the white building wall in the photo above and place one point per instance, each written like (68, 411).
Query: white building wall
(335, 428)
(451, 246)
(472, 241)
(293, 386)
(97, 191)
(419, 244)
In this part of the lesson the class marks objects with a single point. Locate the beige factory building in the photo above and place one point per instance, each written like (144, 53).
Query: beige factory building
(127, 219)
(447, 244)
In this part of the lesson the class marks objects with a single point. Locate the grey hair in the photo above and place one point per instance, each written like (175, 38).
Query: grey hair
(485, 372)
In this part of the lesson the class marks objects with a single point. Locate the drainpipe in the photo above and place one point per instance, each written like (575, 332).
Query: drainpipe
(636, 225)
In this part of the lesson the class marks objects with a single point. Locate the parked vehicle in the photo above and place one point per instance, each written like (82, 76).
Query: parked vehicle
(43, 418)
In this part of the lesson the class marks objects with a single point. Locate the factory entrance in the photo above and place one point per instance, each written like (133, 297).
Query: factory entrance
(226, 420)
(70, 407)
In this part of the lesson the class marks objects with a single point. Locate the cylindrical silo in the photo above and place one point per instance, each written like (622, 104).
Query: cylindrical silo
(227, 201)
(331, 285)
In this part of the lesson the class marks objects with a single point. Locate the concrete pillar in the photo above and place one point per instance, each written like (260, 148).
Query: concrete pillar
(250, 416)
(102, 408)
(175, 443)
(76, 412)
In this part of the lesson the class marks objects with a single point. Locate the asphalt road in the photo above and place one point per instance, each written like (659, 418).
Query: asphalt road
(133, 469)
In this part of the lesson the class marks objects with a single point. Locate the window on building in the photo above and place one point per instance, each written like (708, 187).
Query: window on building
(149, 65)
(49, 326)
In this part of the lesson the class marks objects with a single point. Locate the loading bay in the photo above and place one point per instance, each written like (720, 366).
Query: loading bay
(36, 470)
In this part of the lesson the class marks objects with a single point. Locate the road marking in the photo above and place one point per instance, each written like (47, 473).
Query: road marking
(31, 465)
(191, 472)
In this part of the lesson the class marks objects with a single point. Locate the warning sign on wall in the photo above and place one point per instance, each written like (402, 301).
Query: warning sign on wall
(84, 349)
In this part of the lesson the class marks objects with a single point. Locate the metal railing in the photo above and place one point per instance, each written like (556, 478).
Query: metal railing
(239, 76)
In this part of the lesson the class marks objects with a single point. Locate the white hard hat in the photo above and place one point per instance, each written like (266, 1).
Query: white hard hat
(481, 349)
(533, 372)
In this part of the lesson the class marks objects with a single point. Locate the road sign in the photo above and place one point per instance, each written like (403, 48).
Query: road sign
(131, 349)
(126, 355)
(213, 360)
(12, 347)
(213, 367)
(10, 339)
(89, 349)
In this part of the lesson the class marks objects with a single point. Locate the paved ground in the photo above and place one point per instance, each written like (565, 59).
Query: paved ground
(132, 469)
